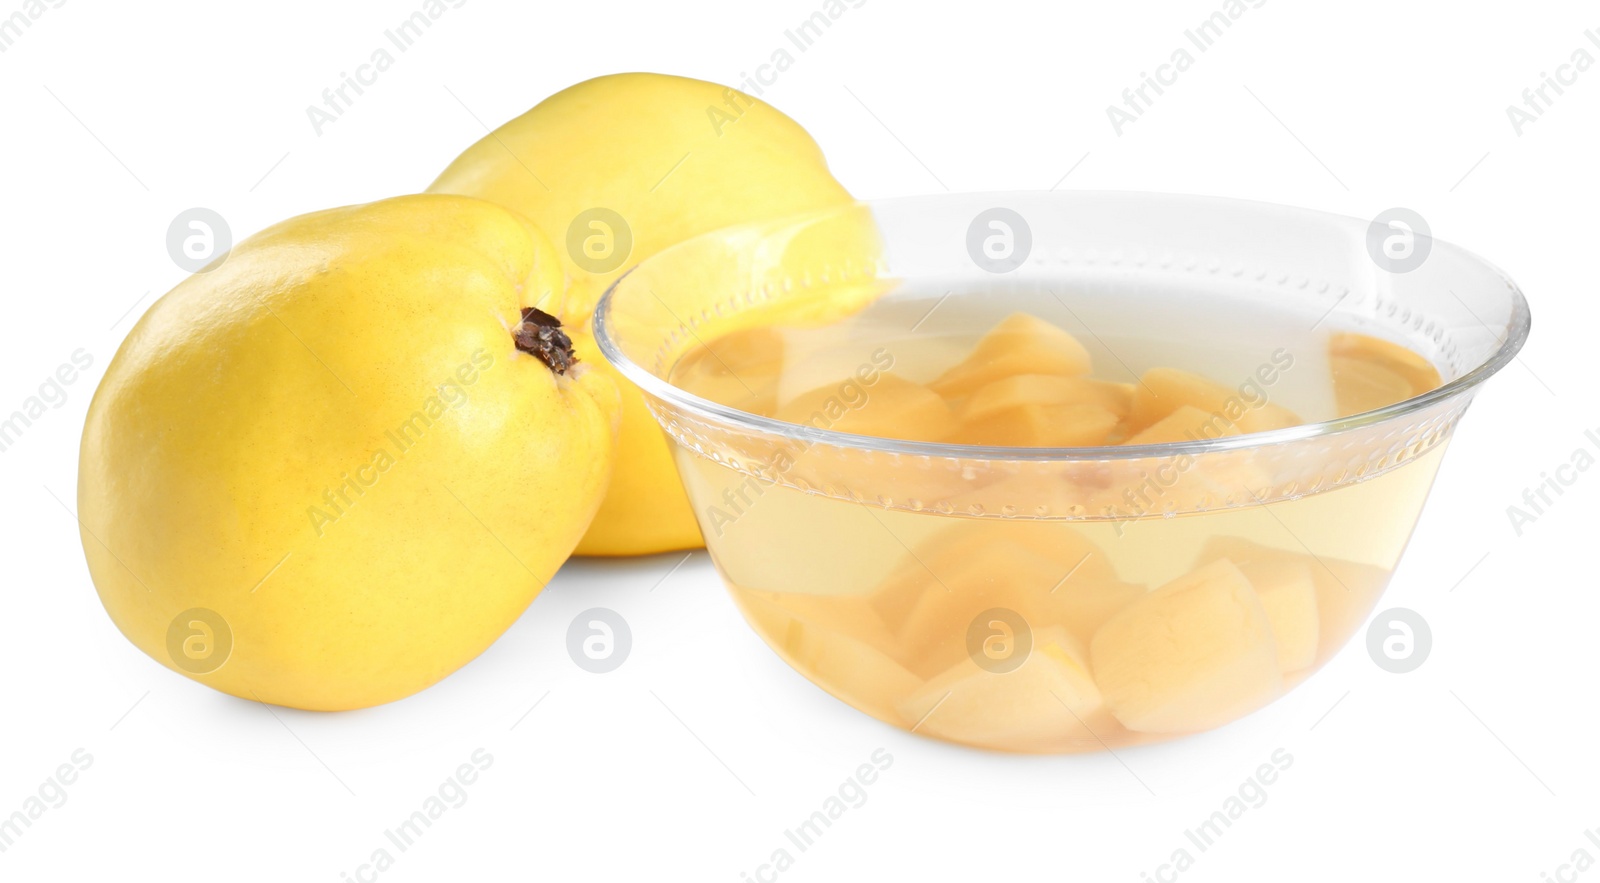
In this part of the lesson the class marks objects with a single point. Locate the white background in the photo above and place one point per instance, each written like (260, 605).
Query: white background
(692, 759)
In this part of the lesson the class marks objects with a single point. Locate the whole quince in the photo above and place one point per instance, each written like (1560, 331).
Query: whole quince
(333, 468)
(616, 169)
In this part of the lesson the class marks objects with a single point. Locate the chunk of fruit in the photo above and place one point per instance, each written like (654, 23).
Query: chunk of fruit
(1041, 426)
(1289, 595)
(1193, 654)
(1083, 607)
(1371, 373)
(1046, 389)
(1187, 423)
(1020, 344)
(1360, 386)
(1048, 704)
(893, 407)
(1045, 571)
(858, 474)
(1162, 391)
(1417, 371)
(739, 370)
(851, 669)
(1345, 590)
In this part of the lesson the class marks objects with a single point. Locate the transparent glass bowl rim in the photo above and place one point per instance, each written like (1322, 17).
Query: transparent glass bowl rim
(1516, 334)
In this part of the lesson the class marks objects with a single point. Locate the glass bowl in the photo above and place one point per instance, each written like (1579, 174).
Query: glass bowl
(1055, 599)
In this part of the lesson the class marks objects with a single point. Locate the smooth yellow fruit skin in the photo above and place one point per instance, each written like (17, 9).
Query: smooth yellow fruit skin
(255, 395)
(645, 509)
(675, 157)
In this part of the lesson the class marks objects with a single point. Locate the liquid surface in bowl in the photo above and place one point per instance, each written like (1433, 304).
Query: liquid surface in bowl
(1142, 617)
(1028, 367)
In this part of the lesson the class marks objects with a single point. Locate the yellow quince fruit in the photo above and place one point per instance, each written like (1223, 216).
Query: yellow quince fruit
(336, 466)
(617, 169)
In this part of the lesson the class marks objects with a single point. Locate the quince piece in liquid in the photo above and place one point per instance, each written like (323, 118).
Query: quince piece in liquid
(1193, 654)
(1019, 344)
